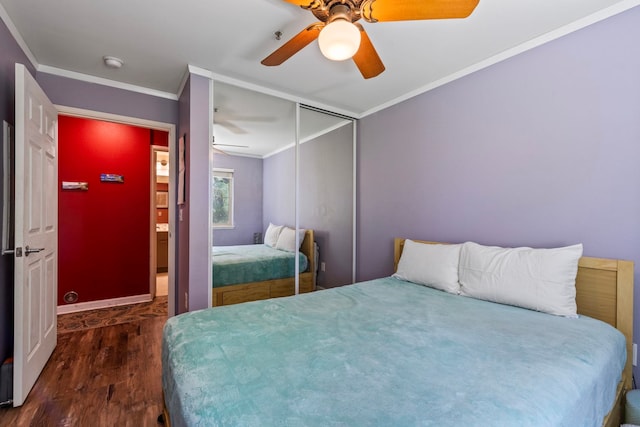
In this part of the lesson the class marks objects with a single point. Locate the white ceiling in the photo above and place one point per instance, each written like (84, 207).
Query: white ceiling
(158, 39)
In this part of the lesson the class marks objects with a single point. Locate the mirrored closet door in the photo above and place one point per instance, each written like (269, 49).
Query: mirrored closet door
(253, 187)
(267, 150)
(326, 183)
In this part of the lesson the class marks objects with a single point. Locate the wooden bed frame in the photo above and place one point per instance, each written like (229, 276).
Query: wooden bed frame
(253, 291)
(604, 291)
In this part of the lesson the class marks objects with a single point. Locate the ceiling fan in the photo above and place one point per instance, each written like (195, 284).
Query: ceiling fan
(340, 36)
(226, 119)
(219, 151)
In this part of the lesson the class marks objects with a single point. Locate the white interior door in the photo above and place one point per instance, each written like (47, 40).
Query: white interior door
(36, 233)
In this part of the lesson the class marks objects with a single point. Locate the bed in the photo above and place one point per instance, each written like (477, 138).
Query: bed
(247, 273)
(341, 357)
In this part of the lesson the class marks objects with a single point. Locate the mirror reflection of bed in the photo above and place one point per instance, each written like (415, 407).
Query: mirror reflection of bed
(254, 164)
(245, 273)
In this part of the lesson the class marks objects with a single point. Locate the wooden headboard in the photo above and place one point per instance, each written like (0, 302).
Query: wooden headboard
(308, 248)
(604, 291)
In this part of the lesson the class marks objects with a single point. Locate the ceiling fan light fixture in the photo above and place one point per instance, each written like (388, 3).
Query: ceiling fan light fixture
(339, 40)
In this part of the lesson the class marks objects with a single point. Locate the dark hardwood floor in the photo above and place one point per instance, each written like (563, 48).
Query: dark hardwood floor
(108, 376)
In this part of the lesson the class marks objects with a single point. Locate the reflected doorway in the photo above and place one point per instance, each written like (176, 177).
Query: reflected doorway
(160, 214)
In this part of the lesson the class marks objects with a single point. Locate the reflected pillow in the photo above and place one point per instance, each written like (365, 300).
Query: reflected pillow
(272, 234)
(287, 239)
(537, 279)
(433, 265)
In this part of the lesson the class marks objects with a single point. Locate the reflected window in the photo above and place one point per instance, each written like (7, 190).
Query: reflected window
(222, 198)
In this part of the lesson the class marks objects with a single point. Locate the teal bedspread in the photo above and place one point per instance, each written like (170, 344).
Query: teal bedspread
(387, 353)
(252, 263)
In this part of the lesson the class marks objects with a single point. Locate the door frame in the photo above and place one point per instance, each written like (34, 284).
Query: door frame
(150, 124)
(155, 149)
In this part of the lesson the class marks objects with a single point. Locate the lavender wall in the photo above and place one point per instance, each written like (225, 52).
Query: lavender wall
(96, 97)
(247, 182)
(10, 53)
(182, 227)
(540, 150)
(278, 197)
(192, 248)
(198, 189)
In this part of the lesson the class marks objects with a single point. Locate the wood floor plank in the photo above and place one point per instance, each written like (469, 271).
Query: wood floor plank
(108, 376)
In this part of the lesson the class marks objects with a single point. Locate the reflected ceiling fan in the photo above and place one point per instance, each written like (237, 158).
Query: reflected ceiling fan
(226, 119)
(219, 151)
(340, 36)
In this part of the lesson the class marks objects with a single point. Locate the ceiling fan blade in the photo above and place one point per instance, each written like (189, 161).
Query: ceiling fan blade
(302, 3)
(366, 58)
(221, 144)
(230, 145)
(407, 10)
(294, 45)
(230, 127)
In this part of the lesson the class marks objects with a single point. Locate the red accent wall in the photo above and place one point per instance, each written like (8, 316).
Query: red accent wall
(104, 232)
(159, 137)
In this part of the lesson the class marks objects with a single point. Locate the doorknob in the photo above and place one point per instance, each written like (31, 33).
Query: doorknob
(28, 250)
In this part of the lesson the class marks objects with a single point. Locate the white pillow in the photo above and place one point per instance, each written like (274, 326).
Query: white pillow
(272, 234)
(537, 279)
(287, 239)
(432, 265)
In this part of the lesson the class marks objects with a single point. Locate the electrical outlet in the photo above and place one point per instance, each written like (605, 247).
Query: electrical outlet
(323, 267)
(186, 300)
(635, 354)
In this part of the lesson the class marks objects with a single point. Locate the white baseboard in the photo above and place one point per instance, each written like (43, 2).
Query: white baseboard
(92, 305)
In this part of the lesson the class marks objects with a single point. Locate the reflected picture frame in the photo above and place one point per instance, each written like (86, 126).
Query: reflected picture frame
(182, 167)
(162, 199)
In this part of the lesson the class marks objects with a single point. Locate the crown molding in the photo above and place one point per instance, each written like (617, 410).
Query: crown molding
(105, 82)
